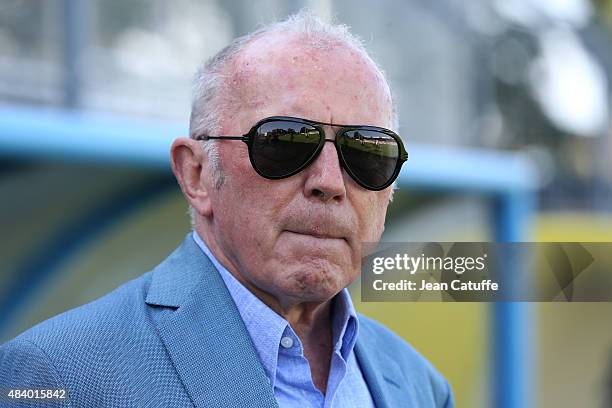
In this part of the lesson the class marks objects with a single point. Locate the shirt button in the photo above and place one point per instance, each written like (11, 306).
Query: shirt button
(287, 342)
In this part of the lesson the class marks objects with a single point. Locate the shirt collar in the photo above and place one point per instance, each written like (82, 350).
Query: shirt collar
(344, 324)
(266, 327)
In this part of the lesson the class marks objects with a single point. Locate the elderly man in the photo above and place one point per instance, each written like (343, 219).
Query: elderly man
(252, 309)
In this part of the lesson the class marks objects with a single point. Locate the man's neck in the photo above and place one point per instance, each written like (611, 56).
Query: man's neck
(311, 321)
(297, 312)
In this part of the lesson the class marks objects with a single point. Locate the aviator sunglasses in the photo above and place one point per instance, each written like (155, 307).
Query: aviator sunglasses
(282, 146)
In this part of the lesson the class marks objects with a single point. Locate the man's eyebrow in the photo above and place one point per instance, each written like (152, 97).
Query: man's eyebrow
(296, 110)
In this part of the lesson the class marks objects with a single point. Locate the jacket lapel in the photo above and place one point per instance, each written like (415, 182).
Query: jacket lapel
(203, 333)
(386, 381)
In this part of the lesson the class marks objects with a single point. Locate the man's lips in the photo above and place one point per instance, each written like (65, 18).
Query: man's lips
(318, 235)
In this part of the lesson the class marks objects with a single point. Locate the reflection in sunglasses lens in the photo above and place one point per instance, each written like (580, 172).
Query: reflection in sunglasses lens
(371, 156)
(281, 147)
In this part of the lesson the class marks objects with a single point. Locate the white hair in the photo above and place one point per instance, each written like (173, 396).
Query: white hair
(210, 97)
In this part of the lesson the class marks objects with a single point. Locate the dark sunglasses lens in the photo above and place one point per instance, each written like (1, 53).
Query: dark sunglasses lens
(371, 156)
(279, 148)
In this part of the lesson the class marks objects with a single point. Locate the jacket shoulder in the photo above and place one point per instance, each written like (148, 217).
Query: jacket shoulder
(389, 340)
(105, 353)
(80, 335)
(104, 317)
(411, 363)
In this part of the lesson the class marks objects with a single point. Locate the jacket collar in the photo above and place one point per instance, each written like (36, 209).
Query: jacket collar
(203, 333)
(388, 384)
(212, 351)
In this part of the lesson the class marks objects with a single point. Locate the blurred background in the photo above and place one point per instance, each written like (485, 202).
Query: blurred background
(504, 108)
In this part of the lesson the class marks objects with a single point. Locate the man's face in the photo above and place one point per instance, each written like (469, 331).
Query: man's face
(298, 239)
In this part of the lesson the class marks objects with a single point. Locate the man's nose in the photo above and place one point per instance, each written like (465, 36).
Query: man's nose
(324, 177)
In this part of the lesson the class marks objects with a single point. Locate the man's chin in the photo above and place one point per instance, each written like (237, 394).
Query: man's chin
(315, 286)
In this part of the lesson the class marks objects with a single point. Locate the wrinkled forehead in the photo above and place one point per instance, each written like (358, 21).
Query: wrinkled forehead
(295, 75)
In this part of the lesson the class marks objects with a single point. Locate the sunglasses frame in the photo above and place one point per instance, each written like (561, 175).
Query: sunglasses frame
(249, 138)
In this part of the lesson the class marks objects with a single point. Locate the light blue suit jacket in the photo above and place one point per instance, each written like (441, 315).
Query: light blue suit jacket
(174, 338)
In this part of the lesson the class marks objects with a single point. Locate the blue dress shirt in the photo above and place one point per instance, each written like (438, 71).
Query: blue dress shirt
(282, 355)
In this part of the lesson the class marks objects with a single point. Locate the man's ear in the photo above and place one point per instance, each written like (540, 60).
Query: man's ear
(188, 159)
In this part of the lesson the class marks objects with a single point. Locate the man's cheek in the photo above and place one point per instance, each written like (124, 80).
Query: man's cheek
(375, 228)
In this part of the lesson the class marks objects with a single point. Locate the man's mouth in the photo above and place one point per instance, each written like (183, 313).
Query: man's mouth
(317, 234)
